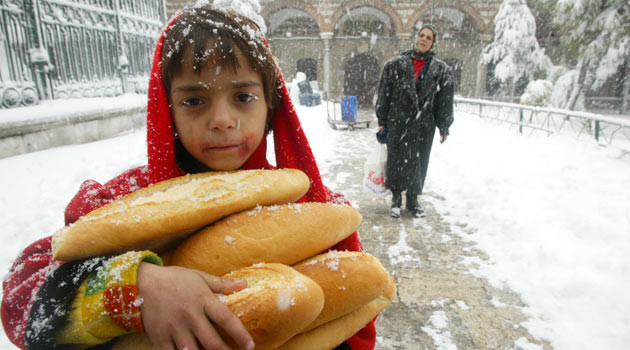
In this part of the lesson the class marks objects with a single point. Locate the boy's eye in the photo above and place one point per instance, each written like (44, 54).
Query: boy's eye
(246, 97)
(192, 102)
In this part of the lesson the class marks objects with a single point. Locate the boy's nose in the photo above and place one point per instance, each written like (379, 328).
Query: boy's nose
(220, 118)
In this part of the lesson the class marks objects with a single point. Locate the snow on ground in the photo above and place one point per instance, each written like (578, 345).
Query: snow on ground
(552, 213)
(554, 216)
(53, 109)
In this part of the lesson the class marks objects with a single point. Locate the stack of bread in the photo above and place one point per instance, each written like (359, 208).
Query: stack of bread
(246, 225)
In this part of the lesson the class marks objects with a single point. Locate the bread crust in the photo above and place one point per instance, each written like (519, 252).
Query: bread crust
(150, 216)
(277, 304)
(283, 234)
(349, 280)
(331, 334)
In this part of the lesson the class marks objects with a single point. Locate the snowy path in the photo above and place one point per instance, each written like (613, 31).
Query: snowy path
(440, 304)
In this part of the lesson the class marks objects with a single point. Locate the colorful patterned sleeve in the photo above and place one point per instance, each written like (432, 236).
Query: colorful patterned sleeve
(107, 304)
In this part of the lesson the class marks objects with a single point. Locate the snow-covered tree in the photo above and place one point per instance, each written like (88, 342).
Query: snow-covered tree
(248, 8)
(563, 90)
(537, 93)
(515, 52)
(597, 33)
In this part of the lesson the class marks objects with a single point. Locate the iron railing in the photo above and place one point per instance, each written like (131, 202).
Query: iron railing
(606, 130)
(54, 49)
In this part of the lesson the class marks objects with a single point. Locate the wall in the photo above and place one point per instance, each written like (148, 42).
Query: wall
(402, 15)
(32, 135)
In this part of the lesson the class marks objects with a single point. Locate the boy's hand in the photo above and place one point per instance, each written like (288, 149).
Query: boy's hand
(180, 310)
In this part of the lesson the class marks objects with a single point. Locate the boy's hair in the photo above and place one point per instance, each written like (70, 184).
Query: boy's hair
(195, 27)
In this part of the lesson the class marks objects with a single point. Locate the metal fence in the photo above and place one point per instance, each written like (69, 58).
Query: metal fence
(593, 104)
(606, 130)
(55, 49)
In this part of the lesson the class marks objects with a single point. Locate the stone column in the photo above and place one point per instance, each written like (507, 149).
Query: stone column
(482, 68)
(626, 89)
(480, 84)
(326, 36)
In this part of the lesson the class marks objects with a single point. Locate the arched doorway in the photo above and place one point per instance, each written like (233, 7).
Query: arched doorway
(292, 23)
(451, 24)
(361, 74)
(363, 21)
(456, 66)
(308, 66)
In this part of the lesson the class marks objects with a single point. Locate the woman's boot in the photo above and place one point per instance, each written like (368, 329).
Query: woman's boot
(396, 203)
(413, 206)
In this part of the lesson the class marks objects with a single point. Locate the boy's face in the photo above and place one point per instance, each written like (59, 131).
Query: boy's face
(220, 115)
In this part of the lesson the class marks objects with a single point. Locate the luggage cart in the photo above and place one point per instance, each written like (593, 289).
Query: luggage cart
(343, 111)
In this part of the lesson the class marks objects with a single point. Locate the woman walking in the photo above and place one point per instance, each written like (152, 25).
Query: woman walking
(415, 97)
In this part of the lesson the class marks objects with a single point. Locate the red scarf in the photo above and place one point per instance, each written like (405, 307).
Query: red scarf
(417, 66)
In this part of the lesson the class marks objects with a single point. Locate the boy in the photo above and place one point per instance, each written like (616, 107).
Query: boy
(214, 94)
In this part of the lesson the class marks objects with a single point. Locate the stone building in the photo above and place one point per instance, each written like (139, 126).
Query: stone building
(343, 44)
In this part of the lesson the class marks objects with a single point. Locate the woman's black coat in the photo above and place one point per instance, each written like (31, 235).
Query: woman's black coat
(411, 115)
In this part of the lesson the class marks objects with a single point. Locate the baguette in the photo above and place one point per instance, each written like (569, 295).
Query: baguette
(331, 334)
(276, 305)
(283, 234)
(349, 280)
(157, 217)
(280, 302)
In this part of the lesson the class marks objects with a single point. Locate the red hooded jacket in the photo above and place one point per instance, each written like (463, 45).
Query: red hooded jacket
(39, 290)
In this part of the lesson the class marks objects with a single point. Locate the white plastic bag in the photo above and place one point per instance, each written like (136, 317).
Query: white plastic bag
(374, 170)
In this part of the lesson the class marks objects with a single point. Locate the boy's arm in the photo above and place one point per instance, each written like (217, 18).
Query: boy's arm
(35, 278)
(35, 270)
(21, 287)
(40, 297)
(92, 195)
(106, 304)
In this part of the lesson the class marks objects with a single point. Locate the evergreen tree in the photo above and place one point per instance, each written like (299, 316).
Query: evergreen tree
(597, 35)
(515, 52)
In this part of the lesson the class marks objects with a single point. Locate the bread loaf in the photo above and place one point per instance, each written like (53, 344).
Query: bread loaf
(160, 215)
(331, 334)
(276, 305)
(349, 280)
(283, 234)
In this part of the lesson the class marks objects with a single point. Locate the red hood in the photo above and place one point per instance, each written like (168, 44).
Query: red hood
(291, 146)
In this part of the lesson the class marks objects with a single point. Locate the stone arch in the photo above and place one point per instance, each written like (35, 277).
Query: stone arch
(465, 8)
(308, 66)
(361, 77)
(343, 8)
(276, 6)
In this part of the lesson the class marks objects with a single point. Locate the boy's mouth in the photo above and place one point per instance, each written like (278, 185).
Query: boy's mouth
(224, 147)
(220, 148)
